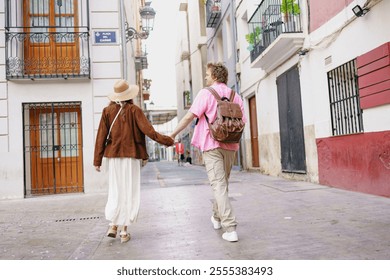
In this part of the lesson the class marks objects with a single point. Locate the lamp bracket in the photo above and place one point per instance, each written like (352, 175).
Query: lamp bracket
(131, 34)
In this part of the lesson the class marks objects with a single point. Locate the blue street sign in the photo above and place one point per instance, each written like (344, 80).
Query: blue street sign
(105, 37)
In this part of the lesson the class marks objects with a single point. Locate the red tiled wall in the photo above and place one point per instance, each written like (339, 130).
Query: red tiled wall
(374, 77)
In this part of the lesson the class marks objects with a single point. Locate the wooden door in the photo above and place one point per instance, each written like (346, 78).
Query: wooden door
(56, 159)
(254, 132)
(51, 42)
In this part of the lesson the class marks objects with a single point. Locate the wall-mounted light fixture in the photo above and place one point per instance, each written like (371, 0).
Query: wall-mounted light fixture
(303, 52)
(359, 11)
(147, 17)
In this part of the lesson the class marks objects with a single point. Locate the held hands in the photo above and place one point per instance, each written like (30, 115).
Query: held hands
(171, 142)
(173, 136)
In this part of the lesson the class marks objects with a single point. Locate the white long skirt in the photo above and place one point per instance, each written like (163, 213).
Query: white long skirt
(124, 183)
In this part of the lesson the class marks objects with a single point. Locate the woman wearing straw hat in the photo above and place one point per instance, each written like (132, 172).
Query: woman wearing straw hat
(121, 139)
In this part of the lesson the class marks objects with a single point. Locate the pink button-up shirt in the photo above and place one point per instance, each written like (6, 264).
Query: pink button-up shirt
(205, 103)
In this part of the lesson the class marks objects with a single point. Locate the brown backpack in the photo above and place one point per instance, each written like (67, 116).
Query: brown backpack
(228, 126)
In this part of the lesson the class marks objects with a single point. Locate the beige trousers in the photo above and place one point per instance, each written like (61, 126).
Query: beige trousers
(219, 163)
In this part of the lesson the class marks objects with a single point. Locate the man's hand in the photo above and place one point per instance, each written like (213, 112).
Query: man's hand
(97, 168)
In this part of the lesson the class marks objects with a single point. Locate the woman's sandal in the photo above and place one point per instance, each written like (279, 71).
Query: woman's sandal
(124, 236)
(112, 231)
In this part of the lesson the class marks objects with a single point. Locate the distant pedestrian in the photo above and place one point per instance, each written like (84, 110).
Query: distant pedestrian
(188, 158)
(179, 146)
(218, 157)
(121, 139)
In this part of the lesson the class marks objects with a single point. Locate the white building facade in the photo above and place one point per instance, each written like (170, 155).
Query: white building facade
(315, 81)
(59, 62)
(316, 85)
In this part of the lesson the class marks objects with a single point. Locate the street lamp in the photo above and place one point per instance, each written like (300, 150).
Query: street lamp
(147, 17)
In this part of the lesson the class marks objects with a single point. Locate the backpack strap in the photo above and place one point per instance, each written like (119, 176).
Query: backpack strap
(216, 95)
(214, 92)
(231, 98)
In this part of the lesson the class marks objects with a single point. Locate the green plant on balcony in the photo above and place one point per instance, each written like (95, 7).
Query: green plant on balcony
(253, 38)
(290, 7)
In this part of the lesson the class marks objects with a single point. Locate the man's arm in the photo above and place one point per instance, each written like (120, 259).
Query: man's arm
(184, 122)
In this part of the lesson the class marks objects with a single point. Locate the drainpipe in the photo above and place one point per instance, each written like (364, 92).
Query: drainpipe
(123, 39)
(241, 150)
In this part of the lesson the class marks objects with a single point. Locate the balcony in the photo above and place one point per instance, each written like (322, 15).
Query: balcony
(213, 12)
(47, 43)
(275, 33)
(39, 55)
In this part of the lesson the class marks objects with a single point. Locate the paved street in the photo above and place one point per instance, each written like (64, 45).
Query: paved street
(278, 220)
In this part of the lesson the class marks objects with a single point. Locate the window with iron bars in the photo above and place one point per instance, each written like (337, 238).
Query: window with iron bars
(346, 113)
(47, 39)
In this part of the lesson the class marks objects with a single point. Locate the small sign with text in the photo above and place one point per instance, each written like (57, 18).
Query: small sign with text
(105, 37)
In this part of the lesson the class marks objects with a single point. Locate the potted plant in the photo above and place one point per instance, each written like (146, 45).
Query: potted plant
(253, 38)
(290, 9)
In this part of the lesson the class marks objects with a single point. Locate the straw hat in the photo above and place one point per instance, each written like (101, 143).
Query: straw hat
(123, 91)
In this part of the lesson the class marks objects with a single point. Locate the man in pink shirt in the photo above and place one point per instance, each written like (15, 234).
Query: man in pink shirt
(218, 157)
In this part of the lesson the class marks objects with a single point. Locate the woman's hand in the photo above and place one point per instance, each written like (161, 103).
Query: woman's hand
(97, 168)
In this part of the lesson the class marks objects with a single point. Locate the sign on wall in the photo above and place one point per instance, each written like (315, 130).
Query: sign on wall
(105, 37)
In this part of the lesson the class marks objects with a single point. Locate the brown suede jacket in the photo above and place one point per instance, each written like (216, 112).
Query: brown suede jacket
(127, 134)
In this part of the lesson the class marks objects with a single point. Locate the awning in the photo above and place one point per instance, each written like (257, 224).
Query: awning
(160, 116)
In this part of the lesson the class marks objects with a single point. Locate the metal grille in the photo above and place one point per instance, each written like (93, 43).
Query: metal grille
(52, 148)
(346, 113)
(47, 39)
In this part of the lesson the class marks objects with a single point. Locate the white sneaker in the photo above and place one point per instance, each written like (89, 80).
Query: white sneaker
(216, 224)
(230, 236)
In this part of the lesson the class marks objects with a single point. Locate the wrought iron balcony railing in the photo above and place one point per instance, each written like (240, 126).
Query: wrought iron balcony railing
(271, 19)
(34, 55)
(213, 12)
